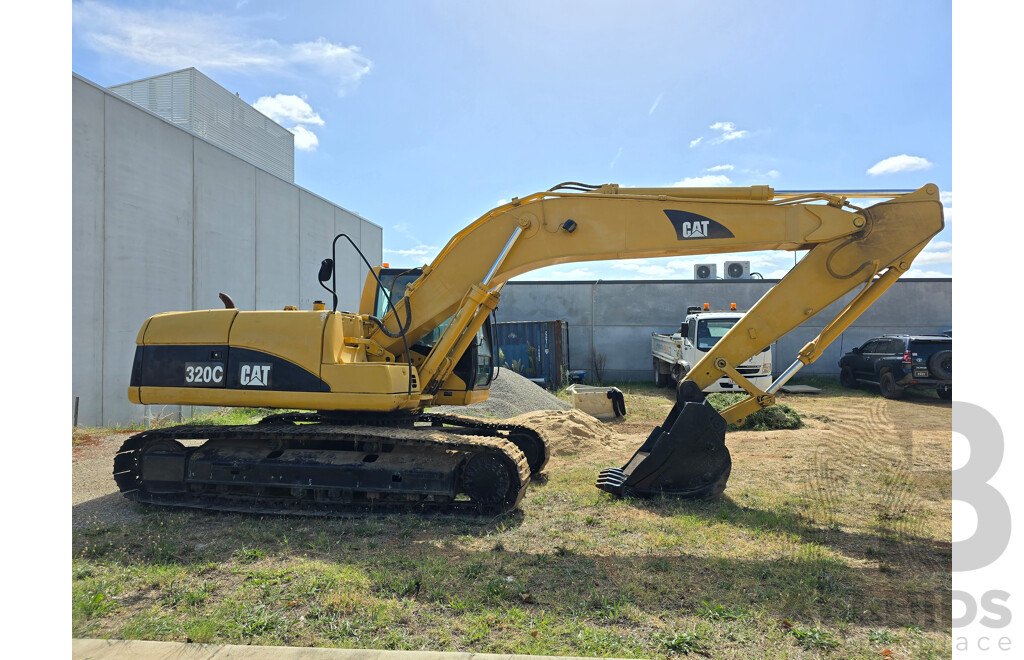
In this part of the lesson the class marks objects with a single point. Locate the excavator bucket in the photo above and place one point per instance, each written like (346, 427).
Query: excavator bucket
(686, 456)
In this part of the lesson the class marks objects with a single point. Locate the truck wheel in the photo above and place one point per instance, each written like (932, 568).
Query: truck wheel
(846, 377)
(945, 393)
(888, 387)
(660, 379)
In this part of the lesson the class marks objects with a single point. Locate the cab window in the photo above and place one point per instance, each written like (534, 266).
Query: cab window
(709, 331)
(394, 283)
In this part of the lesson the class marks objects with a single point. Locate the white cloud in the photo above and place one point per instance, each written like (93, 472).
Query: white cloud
(305, 139)
(656, 271)
(901, 163)
(288, 108)
(728, 132)
(176, 39)
(720, 168)
(403, 229)
(946, 197)
(655, 105)
(920, 272)
(694, 143)
(644, 269)
(574, 274)
(704, 181)
(552, 273)
(628, 264)
(418, 251)
(937, 252)
(928, 257)
(617, 154)
(332, 59)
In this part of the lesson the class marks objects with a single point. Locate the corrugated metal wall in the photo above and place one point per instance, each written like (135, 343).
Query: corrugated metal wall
(610, 322)
(163, 220)
(190, 99)
(538, 350)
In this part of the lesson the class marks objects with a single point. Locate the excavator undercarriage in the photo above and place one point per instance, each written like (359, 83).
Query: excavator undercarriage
(319, 464)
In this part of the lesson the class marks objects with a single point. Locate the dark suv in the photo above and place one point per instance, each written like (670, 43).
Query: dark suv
(896, 362)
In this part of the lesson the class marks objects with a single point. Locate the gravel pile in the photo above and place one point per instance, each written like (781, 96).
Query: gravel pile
(511, 395)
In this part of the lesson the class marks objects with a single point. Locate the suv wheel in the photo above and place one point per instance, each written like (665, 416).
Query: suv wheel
(846, 377)
(888, 387)
(941, 364)
(945, 393)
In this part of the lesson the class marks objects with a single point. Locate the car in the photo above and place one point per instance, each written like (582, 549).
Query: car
(899, 362)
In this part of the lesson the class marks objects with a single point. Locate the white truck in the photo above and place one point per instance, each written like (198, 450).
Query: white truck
(675, 354)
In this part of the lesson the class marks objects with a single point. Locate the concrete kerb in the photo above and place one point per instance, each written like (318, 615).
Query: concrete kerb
(113, 649)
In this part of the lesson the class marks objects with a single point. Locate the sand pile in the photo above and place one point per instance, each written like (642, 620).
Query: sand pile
(566, 431)
(569, 431)
(511, 395)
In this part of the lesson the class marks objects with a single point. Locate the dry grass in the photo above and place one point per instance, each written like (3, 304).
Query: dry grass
(833, 539)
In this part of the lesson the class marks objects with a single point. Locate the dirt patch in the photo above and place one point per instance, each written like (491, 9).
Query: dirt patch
(89, 445)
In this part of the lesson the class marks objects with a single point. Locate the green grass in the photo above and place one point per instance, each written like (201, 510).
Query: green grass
(775, 417)
(766, 571)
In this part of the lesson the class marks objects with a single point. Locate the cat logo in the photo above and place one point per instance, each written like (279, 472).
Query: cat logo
(698, 229)
(690, 226)
(254, 375)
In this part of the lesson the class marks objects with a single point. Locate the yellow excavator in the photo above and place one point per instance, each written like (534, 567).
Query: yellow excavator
(422, 338)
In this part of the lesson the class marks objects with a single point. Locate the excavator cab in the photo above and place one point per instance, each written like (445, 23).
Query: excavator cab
(476, 366)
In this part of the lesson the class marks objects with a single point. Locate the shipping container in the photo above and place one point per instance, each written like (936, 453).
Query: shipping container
(538, 350)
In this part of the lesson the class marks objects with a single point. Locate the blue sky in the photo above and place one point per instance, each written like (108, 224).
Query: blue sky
(421, 116)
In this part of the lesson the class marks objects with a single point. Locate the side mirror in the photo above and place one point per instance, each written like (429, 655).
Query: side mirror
(326, 270)
(855, 350)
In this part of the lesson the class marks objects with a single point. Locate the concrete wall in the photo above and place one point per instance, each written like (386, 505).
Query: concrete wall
(613, 320)
(165, 221)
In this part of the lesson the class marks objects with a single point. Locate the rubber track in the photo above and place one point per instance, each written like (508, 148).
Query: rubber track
(127, 462)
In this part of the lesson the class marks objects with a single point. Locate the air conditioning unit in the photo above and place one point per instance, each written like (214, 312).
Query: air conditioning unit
(705, 271)
(737, 270)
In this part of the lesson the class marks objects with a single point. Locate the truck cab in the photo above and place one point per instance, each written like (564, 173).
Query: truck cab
(674, 355)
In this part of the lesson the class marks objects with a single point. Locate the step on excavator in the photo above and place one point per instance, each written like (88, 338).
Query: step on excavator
(354, 388)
